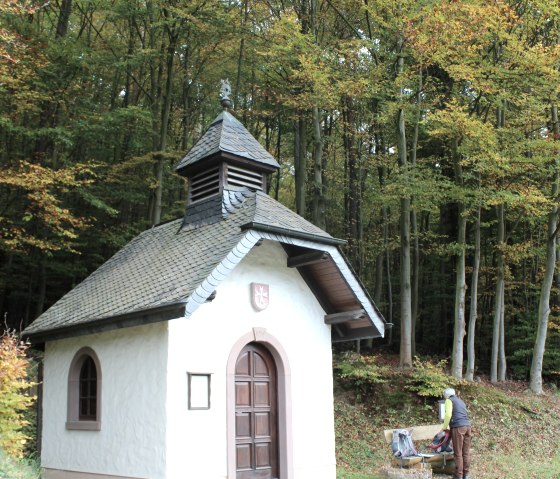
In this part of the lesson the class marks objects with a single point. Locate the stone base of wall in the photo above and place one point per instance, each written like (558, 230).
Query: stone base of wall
(58, 474)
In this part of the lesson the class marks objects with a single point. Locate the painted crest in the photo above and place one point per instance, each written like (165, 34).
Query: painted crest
(259, 296)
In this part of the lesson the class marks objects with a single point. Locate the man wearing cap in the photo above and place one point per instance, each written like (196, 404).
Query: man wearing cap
(456, 419)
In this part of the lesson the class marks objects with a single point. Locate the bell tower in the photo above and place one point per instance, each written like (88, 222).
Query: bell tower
(227, 156)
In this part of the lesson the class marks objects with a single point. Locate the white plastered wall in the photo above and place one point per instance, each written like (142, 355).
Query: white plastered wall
(131, 441)
(197, 439)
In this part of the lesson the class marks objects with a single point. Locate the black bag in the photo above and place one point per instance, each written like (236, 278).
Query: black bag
(442, 442)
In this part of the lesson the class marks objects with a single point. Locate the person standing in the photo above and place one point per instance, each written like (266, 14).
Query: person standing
(456, 418)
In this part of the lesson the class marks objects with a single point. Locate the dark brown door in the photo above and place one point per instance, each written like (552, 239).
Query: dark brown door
(255, 414)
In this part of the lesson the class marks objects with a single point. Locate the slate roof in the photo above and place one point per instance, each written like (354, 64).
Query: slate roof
(227, 135)
(166, 264)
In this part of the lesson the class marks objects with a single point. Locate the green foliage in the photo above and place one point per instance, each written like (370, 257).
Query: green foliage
(11, 468)
(429, 379)
(359, 372)
(15, 397)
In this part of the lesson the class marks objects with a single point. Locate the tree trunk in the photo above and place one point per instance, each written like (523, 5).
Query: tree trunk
(244, 13)
(389, 282)
(166, 107)
(548, 279)
(63, 18)
(406, 292)
(460, 281)
(319, 218)
(502, 365)
(497, 332)
(474, 302)
(278, 157)
(42, 288)
(352, 177)
(300, 160)
(498, 300)
(414, 223)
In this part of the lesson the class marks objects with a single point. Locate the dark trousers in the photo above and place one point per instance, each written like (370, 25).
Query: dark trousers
(461, 437)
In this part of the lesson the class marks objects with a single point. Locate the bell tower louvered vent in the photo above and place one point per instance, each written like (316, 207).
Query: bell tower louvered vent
(227, 156)
(204, 184)
(244, 178)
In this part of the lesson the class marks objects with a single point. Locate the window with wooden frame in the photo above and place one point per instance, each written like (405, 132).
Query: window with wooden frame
(84, 392)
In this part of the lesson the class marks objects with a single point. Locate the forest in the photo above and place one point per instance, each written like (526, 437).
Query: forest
(425, 133)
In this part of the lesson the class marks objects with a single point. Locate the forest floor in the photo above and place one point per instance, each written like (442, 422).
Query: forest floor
(515, 433)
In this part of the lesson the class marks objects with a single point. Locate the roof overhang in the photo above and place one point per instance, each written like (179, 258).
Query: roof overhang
(155, 314)
(349, 309)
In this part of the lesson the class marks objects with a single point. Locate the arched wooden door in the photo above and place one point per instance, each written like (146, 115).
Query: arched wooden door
(256, 438)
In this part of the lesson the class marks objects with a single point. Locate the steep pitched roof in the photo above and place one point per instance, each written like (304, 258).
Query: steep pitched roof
(177, 264)
(227, 135)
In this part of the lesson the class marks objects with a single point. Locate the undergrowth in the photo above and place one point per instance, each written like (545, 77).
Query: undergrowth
(11, 468)
(514, 432)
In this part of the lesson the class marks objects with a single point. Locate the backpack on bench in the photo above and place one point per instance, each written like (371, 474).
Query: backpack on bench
(402, 444)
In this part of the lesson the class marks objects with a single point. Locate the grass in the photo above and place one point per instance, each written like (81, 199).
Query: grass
(515, 433)
(351, 475)
(18, 469)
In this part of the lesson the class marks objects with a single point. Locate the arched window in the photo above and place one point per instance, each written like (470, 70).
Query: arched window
(84, 392)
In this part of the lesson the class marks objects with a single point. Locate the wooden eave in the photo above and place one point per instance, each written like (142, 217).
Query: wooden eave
(344, 311)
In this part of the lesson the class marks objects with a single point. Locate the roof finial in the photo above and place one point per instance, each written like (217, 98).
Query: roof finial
(225, 92)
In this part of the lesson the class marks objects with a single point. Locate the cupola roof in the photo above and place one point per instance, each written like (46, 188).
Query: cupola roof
(227, 138)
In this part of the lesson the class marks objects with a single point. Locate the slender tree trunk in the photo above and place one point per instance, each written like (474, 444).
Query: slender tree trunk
(474, 302)
(406, 292)
(42, 288)
(502, 364)
(497, 332)
(498, 300)
(414, 224)
(244, 13)
(378, 282)
(319, 218)
(150, 26)
(548, 279)
(278, 157)
(166, 108)
(186, 101)
(460, 280)
(300, 156)
(352, 180)
(388, 269)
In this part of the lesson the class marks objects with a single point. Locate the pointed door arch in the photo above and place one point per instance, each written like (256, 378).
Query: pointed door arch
(284, 439)
(256, 414)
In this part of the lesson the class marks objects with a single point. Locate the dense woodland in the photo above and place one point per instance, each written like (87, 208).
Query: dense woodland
(423, 132)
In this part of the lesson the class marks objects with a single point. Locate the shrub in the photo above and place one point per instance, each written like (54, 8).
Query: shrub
(361, 373)
(429, 379)
(15, 397)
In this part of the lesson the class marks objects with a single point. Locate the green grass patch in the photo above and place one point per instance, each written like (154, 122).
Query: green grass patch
(18, 469)
(356, 475)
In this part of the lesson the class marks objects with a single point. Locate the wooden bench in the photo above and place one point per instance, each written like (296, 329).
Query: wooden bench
(439, 462)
